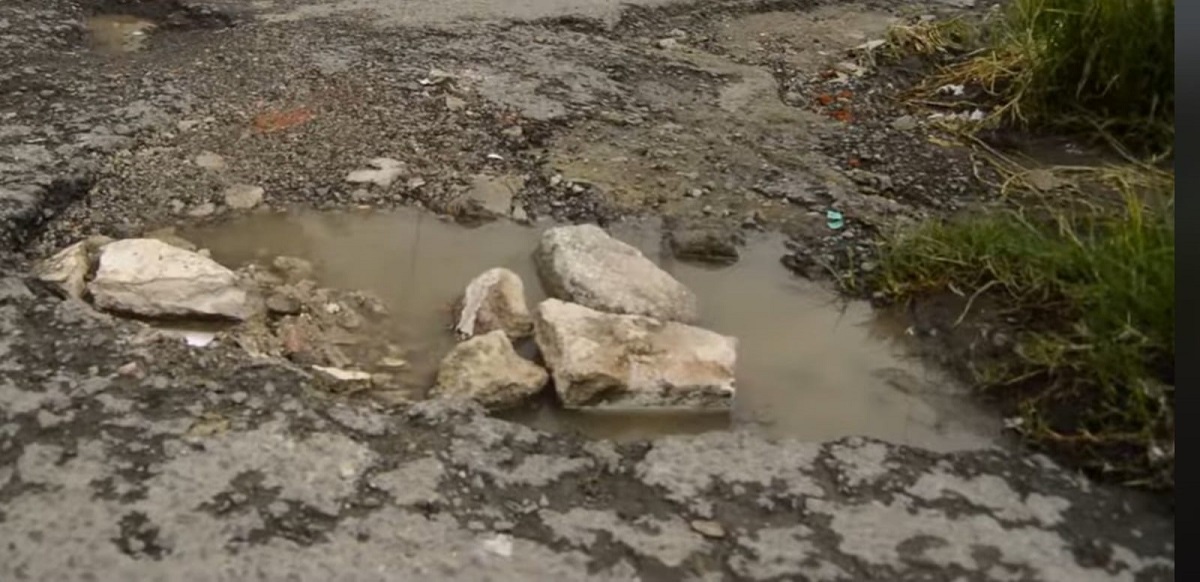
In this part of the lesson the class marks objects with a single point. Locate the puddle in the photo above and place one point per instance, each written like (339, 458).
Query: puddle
(809, 365)
(118, 33)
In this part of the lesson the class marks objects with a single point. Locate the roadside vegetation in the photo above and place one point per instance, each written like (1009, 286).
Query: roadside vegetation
(1085, 275)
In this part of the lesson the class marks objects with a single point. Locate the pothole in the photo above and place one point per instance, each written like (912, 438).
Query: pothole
(118, 33)
(125, 26)
(809, 364)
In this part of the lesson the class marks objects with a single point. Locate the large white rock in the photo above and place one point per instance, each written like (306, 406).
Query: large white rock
(584, 265)
(151, 278)
(495, 300)
(604, 359)
(488, 370)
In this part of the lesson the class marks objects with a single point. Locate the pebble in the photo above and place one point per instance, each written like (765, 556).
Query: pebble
(904, 123)
(283, 305)
(708, 528)
(202, 210)
(243, 196)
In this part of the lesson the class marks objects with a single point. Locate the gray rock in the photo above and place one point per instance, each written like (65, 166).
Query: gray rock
(584, 265)
(603, 359)
(488, 370)
(495, 300)
(243, 196)
(151, 278)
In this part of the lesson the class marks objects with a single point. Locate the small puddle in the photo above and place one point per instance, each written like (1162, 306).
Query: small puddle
(117, 33)
(809, 365)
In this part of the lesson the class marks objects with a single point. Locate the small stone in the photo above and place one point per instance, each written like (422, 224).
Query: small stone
(202, 210)
(384, 172)
(243, 196)
(282, 305)
(454, 103)
(68, 269)
(667, 43)
(131, 370)
(414, 183)
(513, 132)
(210, 161)
(519, 214)
(708, 528)
(238, 397)
(904, 123)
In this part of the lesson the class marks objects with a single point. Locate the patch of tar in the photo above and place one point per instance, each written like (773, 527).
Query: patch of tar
(668, 541)
(877, 533)
(994, 493)
(783, 552)
(860, 462)
(415, 482)
(688, 466)
(319, 471)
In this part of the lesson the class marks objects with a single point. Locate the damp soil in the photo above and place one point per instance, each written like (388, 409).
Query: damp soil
(810, 365)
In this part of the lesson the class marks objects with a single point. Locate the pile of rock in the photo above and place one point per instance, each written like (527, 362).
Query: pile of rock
(279, 310)
(614, 333)
(147, 277)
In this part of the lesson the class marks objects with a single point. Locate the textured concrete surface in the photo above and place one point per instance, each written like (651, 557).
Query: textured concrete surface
(167, 470)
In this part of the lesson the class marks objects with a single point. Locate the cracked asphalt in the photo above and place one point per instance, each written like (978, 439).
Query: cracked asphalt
(127, 455)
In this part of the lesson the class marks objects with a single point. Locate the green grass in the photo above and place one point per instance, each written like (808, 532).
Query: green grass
(1096, 296)
(1106, 65)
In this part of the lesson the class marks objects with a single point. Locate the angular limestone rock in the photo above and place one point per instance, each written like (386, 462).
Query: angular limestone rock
(488, 370)
(602, 359)
(584, 265)
(68, 269)
(495, 300)
(154, 279)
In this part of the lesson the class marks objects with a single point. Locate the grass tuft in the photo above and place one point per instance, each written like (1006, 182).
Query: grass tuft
(1097, 65)
(1097, 295)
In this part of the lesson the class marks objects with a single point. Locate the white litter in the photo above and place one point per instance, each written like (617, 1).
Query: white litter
(199, 339)
(501, 545)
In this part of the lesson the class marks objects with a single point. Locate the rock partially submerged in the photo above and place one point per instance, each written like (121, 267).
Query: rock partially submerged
(488, 370)
(495, 300)
(151, 278)
(584, 265)
(603, 359)
(704, 244)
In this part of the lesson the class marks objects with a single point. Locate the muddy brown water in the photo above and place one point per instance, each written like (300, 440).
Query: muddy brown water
(810, 365)
(117, 33)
